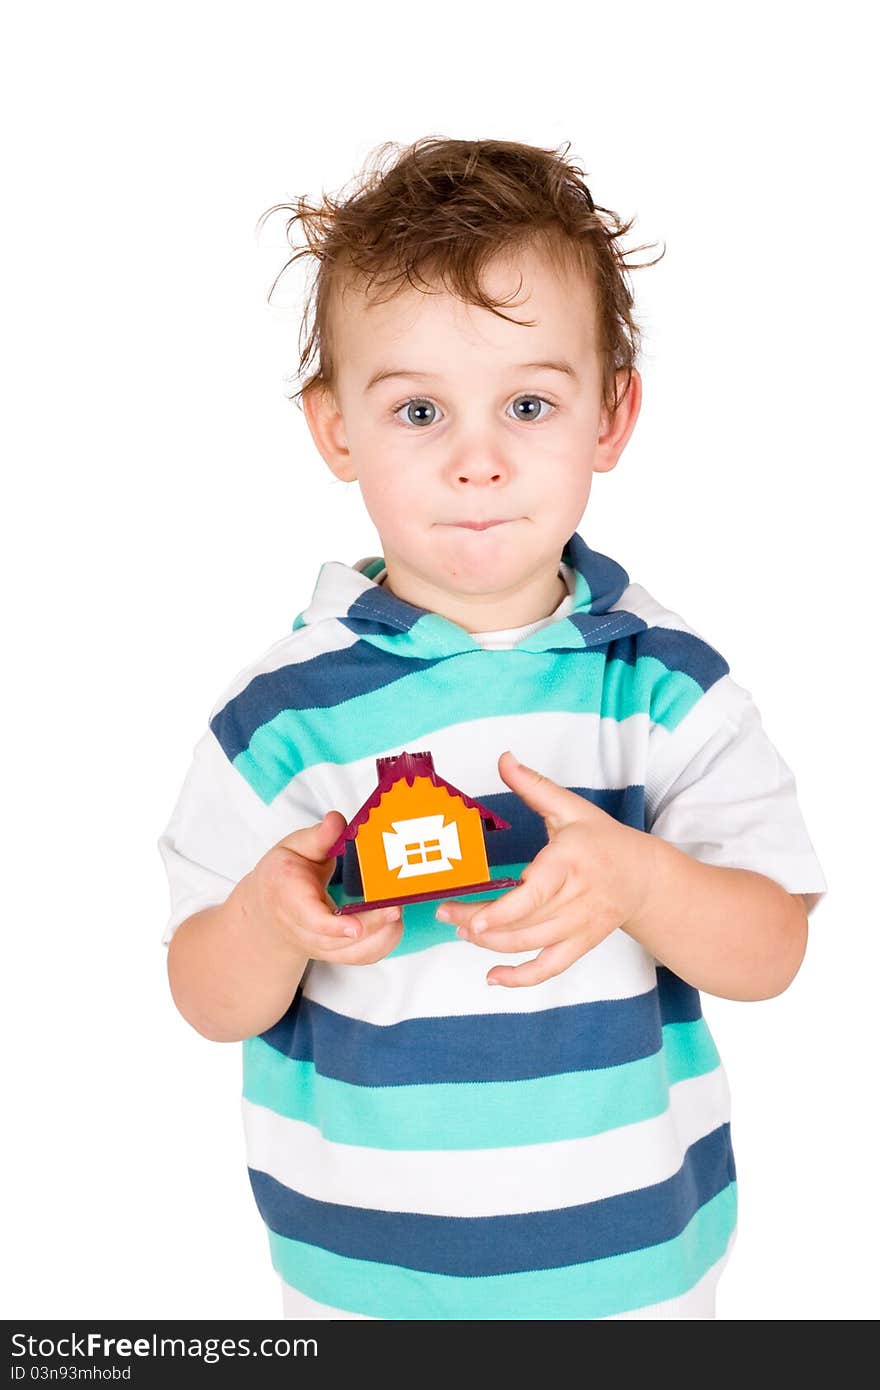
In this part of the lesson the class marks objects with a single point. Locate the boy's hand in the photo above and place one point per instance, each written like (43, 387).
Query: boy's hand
(286, 893)
(592, 876)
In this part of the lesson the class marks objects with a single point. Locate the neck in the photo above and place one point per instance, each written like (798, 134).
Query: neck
(479, 612)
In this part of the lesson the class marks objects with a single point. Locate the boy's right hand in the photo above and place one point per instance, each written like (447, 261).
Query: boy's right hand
(286, 893)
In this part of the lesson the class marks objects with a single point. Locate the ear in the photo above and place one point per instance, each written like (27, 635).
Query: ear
(327, 428)
(614, 431)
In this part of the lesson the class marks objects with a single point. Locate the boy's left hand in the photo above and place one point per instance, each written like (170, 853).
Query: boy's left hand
(592, 876)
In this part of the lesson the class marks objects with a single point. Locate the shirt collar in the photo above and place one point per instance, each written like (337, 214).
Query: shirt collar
(350, 594)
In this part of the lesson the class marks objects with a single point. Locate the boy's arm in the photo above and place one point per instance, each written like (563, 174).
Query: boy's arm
(729, 841)
(232, 975)
(730, 932)
(235, 967)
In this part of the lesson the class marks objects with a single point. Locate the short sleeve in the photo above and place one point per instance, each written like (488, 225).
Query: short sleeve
(720, 791)
(219, 829)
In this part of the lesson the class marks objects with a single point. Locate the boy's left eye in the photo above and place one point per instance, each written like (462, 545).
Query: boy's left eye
(531, 407)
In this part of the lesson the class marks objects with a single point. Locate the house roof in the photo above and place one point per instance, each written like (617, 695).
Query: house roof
(409, 765)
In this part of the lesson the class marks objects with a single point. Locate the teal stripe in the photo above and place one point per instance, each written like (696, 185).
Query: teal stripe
(428, 635)
(482, 1114)
(689, 1049)
(420, 928)
(596, 1289)
(454, 692)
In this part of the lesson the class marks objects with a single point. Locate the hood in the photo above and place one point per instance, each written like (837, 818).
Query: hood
(350, 595)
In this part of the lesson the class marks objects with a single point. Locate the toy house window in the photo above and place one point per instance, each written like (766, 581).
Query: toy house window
(421, 845)
(423, 851)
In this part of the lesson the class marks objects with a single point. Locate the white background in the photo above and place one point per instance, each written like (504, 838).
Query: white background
(166, 515)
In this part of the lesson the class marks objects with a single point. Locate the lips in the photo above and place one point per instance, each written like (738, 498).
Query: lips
(478, 525)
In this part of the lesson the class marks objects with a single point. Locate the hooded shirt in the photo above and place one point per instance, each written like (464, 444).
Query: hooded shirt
(422, 1146)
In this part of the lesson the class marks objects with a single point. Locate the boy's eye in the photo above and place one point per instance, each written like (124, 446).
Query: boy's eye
(529, 407)
(420, 411)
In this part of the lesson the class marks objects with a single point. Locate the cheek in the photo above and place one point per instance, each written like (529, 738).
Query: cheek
(570, 464)
(394, 491)
(577, 459)
(578, 484)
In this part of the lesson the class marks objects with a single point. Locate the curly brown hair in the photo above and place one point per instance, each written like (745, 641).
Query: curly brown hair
(438, 215)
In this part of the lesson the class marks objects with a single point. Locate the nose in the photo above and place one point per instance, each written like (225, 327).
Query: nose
(479, 461)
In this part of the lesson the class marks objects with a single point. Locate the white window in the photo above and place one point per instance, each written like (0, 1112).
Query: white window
(422, 845)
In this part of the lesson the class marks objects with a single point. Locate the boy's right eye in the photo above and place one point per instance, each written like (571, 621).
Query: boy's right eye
(418, 412)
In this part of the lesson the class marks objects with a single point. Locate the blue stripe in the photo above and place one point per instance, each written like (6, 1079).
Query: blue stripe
(604, 577)
(378, 609)
(679, 1001)
(679, 652)
(659, 666)
(482, 1047)
(486, 1245)
(595, 629)
(456, 692)
(321, 682)
(598, 1289)
(485, 1115)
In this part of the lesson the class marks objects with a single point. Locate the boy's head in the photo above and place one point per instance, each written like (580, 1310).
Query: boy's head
(476, 362)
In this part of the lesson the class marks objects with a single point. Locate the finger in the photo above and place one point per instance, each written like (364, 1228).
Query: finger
(319, 924)
(314, 842)
(542, 885)
(530, 938)
(316, 918)
(362, 924)
(542, 888)
(556, 805)
(553, 960)
(369, 949)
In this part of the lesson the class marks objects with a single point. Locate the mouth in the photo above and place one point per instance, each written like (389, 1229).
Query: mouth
(479, 525)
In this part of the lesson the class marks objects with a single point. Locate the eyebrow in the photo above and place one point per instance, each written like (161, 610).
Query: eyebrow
(387, 372)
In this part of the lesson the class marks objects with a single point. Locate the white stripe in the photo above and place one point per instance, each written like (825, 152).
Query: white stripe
(338, 586)
(449, 980)
(488, 1182)
(718, 710)
(696, 1304)
(572, 748)
(734, 804)
(635, 599)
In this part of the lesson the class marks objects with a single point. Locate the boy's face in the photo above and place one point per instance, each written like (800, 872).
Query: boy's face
(447, 414)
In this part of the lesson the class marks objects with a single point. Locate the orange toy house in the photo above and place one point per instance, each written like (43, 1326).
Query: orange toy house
(417, 837)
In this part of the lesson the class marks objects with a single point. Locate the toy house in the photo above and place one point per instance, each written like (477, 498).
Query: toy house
(417, 837)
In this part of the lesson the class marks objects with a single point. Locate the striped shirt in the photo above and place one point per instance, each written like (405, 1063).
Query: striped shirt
(422, 1146)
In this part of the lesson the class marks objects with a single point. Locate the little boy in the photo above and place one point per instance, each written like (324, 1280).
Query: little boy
(420, 1145)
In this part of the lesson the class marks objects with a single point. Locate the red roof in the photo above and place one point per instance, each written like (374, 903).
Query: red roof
(410, 766)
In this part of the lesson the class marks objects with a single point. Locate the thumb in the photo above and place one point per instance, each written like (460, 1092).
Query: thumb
(556, 804)
(314, 841)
